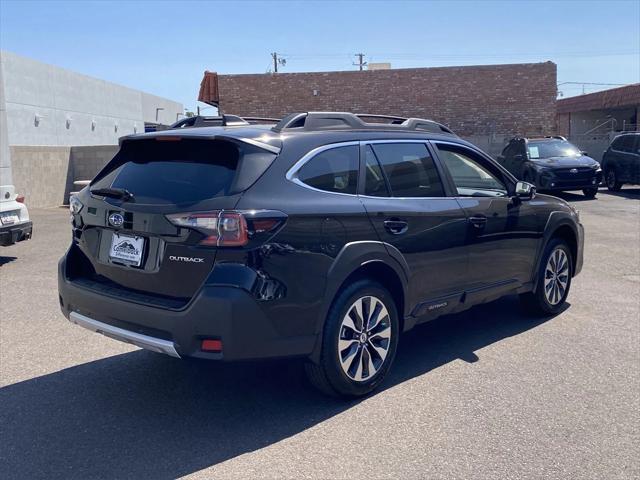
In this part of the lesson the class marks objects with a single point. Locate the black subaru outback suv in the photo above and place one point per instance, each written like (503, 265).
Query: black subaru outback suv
(323, 237)
(552, 163)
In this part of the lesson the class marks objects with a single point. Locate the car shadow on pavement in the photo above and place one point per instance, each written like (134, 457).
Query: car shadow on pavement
(628, 193)
(571, 196)
(143, 415)
(5, 260)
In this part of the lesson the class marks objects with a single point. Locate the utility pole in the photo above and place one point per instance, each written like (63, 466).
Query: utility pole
(361, 63)
(277, 61)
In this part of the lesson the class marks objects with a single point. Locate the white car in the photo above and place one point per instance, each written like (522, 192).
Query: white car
(15, 225)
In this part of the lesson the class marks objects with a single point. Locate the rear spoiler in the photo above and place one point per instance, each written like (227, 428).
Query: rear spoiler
(177, 135)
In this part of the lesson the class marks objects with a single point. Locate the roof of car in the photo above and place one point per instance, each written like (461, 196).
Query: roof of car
(269, 138)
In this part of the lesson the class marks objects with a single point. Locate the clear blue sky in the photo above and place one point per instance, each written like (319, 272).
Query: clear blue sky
(164, 47)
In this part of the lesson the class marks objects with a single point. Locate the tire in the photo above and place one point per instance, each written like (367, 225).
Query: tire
(590, 192)
(343, 334)
(551, 293)
(612, 181)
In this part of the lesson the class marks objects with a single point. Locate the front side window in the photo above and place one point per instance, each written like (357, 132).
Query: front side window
(333, 170)
(551, 148)
(409, 169)
(470, 174)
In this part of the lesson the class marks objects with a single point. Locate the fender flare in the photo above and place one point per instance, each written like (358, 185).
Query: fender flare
(351, 257)
(556, 220)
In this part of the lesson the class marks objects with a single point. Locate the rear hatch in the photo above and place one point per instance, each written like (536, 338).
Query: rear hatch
(133, 224)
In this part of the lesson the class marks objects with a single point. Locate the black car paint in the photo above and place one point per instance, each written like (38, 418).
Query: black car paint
(565, 173)
(271, 297)
(626, 164)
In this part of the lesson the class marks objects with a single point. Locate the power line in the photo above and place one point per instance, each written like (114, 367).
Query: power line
(592, 83)
(573, 85)
(422, 56)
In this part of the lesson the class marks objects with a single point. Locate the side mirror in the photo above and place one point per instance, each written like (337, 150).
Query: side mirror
(525, 190)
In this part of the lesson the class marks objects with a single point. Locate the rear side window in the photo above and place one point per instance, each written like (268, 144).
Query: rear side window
(172, 172)
(409, 169)
(333, 170)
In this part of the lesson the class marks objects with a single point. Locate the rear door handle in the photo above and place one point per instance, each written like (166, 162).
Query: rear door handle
(396, 227)
(478, 221)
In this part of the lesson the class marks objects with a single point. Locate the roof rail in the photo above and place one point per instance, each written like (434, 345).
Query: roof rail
(313, 121)
(220, 121)
(254, 120)
(209, 121)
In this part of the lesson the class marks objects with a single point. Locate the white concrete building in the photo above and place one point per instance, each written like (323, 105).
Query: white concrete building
(48, 105)
(47, 113)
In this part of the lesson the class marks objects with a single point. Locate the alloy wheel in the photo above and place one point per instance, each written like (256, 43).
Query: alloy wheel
(364, 339)
(556, 276)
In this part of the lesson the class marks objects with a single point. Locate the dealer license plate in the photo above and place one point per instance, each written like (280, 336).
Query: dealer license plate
(8, 218)
(126, 249)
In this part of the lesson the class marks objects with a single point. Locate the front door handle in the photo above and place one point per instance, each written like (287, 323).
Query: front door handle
(478, 221)
(396, 227)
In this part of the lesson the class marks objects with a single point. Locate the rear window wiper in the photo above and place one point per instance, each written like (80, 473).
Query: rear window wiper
(121, 193)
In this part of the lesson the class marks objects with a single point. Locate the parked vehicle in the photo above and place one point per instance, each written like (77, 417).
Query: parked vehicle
(15, 225)
(621, 161)
(552, 163)
(323, 237)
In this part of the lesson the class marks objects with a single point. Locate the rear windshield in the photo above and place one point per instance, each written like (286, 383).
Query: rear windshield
(172, 172)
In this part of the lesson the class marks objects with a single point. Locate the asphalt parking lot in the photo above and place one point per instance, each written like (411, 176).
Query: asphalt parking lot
(489, 393)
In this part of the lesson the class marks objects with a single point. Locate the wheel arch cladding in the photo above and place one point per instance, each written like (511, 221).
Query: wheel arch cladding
(374, 264)
(380, 272)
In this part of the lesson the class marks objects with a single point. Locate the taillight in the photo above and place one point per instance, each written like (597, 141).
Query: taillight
(20, 199)
(222, 228)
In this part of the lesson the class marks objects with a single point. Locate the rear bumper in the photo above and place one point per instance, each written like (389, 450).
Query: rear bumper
(143, 341)
(11, 234)
(223, 313)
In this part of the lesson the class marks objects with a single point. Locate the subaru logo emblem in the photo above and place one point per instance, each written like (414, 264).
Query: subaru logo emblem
(116, 219)
(573, 170)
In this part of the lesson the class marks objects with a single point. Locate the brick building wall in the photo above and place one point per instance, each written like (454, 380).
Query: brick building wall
(475, 100)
